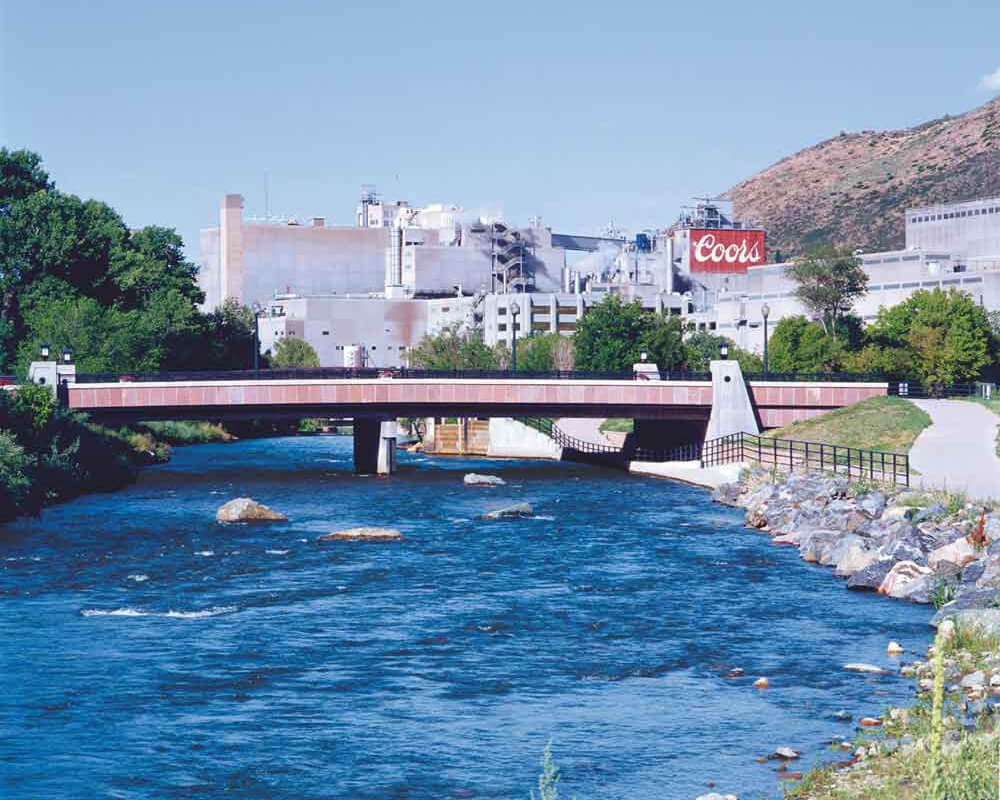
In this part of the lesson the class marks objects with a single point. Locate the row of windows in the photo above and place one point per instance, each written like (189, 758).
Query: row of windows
(972, 212)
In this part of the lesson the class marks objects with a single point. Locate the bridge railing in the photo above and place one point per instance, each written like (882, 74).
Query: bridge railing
(347, 373)
(791, 454)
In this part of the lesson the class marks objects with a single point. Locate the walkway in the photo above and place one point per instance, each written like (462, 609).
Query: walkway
(584, 429)
(958, 451)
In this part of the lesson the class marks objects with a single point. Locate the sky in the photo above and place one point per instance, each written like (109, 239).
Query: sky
(580, 113)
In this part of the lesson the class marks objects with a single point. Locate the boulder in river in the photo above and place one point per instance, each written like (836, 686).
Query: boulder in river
(510, 512)
(474, 479)
(244, 509)
(362, 535)
(869, 668)
(901, 574)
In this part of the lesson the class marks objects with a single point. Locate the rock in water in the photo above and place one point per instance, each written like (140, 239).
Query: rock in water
(363, 535)
(510, 512)
(717, 796)
(243, 509)
(894, 649)
(473, 479)
(785, 753)
(761, 683)
(870, 668)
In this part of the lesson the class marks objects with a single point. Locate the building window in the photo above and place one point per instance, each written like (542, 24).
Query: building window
(402, 348)
(326, 333)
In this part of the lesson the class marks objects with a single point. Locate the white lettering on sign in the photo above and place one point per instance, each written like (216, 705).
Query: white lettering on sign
(707, 249)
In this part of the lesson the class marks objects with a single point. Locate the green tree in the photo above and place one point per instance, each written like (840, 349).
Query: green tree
(829, 280)
(535, 353)
(21, 175)
(612, 334)
(454, 348)
(294, 352)
(939, 336)
(798, 345)
(703, 347)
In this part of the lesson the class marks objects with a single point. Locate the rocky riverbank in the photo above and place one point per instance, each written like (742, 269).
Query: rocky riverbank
(923, 547)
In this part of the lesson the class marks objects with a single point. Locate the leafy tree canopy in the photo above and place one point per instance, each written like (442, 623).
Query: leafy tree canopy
(703, 347)
(612, 335)
(799, 345)
(545, 352)
(294, 352)
(829, 280)
(454, 348)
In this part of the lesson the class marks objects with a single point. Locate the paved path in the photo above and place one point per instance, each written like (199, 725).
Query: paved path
(587, 430)
(958, 451)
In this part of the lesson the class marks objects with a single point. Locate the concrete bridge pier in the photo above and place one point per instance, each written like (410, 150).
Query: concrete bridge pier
(374, 446)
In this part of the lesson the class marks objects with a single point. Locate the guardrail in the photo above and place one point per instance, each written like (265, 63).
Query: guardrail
(368, 373)
(687, 452)
(873, 465)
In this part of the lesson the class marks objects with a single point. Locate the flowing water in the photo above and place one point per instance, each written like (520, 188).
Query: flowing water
(148, 652)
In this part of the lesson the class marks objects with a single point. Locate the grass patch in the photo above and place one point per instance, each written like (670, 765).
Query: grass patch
(180, 432)
(891, 424)
(617, 425)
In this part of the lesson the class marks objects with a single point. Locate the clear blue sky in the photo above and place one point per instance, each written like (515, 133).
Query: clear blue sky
(579, 112)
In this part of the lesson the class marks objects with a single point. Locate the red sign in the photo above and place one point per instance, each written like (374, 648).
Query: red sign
(725, 250)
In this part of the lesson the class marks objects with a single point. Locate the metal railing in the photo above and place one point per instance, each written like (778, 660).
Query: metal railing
(905, 388)
(348, 373)
(790, 454)
(686, 452)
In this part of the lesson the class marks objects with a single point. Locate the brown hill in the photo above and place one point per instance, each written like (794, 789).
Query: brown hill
(853, 189)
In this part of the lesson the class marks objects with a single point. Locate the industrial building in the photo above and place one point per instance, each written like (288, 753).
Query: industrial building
(374, 289)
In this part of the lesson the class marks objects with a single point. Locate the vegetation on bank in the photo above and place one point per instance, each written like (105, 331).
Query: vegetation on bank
(48, 454)
(891, 424)
(925, 752)
(182, 432)
(617, 425)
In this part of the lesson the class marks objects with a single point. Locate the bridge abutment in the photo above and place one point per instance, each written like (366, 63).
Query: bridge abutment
(374, 446)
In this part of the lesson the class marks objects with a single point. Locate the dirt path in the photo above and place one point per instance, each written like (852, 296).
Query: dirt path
(957, 451)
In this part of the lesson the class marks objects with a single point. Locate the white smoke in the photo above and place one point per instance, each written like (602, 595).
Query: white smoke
(991, 81)
(597, 263)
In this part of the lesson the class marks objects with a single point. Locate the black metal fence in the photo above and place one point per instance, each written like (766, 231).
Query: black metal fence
(918, 390)
(790, 454)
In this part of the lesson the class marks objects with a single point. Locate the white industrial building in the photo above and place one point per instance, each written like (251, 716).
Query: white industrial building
(401, 272)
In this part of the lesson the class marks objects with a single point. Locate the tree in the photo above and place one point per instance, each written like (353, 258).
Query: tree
(939, 336)
(545, 352)
(455, 347)
(799, 345)
(293, 352)
(612, 334)
(829, 281)
(21, 175)
(703, 347)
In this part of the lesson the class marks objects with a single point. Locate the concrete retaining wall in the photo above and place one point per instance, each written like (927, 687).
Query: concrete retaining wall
(512, 439)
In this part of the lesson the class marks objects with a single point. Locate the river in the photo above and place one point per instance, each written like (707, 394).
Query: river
(148, 652)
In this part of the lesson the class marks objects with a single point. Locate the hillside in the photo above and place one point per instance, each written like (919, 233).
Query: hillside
(853, 189)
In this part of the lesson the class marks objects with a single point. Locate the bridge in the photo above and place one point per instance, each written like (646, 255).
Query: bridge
(667, 412)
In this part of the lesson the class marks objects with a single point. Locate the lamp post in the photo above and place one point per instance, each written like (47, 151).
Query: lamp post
(515, 309)
(724, 350)
(256, 336)
(643, 355)
(67, 356)
(45, 352)
(765, 312)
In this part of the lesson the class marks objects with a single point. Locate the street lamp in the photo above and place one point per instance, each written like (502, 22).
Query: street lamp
(256, 336)
(724, 350)
(765, 312)
(45, 352)
(643, 355)
(67, 356)
(515, 309)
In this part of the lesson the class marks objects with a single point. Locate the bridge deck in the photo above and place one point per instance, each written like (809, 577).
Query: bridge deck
(777, 402)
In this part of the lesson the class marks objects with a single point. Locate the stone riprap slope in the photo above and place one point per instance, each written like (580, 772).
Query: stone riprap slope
(852, 189)
(906, 545)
